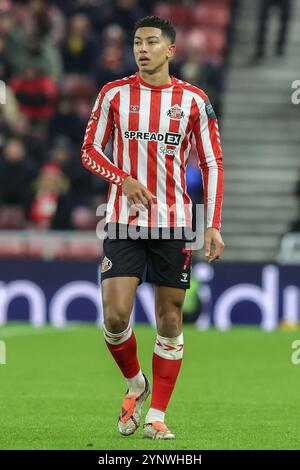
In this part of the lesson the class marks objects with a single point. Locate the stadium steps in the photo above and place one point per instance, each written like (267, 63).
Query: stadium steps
(240, 214)
(260, 135)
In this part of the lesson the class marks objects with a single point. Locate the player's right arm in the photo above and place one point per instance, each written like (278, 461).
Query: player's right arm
(97, 134)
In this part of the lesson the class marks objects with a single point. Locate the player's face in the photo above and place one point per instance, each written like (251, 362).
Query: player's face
(151, 49)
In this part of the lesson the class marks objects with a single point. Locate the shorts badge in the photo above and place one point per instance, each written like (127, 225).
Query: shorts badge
(106, 265)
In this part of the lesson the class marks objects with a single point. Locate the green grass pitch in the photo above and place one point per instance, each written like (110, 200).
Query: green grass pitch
(60, 389)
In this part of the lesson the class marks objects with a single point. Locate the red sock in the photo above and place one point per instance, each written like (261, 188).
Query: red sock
(124, 351)
(167, 359)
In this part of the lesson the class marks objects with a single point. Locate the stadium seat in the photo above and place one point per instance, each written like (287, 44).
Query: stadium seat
(216, 44)
(180, 15)
(11, 218)
(13, 250)
(206, 15)
(217, 3)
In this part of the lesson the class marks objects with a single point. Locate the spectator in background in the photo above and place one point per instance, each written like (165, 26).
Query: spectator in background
(66, 121)
(23, 44)
(44, 18)
(98, 11)
(200, 71)
(35, 92)
(41, 52)
(126, 13)
(15, 36)
(284, 9)
(5, 64)
(50, 204)
(115, 58)
(22, 128)
(17, 170)
(63, 156)
(8, 113)
(79, 47)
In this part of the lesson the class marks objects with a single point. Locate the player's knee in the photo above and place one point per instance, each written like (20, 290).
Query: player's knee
(169, 323)
(116, 319)
(170, 310)
(115, 325)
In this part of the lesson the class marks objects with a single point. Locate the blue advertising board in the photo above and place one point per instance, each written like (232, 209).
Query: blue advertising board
(231, 294)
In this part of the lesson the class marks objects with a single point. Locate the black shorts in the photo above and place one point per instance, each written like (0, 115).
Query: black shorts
(165, 262)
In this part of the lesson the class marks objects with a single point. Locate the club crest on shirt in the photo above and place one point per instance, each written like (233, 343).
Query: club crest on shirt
(175, 112)
(134, 108)
(106, 264)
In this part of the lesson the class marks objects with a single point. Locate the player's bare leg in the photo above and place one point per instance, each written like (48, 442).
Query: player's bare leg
(118, 294)
(167, 358)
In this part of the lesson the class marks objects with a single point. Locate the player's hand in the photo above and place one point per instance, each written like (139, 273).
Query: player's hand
(214, 244)
(137, 194)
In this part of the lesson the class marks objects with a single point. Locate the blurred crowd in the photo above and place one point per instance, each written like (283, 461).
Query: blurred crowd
(54, 58)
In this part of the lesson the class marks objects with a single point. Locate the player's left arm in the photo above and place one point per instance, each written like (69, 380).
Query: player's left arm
(208, 144)
(213, 244)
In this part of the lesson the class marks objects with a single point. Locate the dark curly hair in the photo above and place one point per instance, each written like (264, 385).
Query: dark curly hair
(156, 22)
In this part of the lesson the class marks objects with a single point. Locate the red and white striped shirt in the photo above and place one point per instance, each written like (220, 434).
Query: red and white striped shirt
(152, 130)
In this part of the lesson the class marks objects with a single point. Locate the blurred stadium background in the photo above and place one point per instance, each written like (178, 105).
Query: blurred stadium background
(54, 58)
